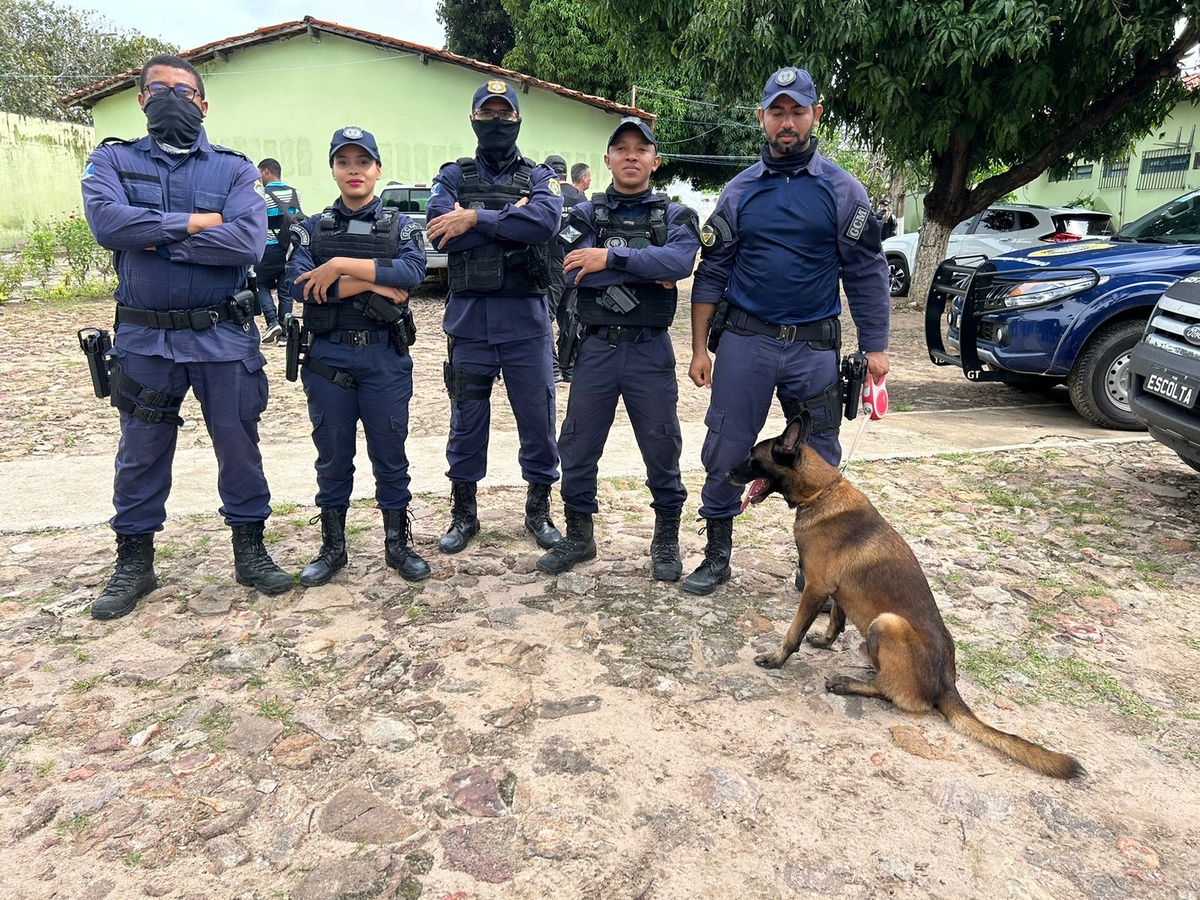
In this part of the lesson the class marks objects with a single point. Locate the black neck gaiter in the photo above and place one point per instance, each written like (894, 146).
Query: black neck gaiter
(618, 197)
(497, 142)
(793, 162)
(173, 121)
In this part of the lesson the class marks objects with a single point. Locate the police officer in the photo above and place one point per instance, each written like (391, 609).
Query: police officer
(184, 219)
(352, 268)
(781, 233)
(627, 248)
(494, 214)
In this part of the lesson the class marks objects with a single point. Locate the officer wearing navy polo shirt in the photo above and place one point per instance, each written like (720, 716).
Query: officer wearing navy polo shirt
(352, 269)
(626, 249)
(494, 214)
(184, 219)
(781, 234)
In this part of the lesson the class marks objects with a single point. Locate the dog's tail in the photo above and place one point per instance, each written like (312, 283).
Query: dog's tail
(1027, 753)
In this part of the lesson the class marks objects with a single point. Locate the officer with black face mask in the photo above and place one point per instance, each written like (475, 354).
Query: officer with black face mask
(494, 214)
(184, 219)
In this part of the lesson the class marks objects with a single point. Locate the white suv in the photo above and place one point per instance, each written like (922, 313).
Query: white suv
(996, 230)
(410, 199)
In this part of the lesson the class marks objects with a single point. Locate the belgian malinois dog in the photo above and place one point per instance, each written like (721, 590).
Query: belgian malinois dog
(848, 552)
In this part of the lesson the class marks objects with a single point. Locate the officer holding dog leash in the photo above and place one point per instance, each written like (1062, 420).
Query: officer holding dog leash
(781, 234)
(184, 219)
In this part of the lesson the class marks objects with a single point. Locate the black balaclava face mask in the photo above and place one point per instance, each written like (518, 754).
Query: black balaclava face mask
(497, 142)
(173, 121)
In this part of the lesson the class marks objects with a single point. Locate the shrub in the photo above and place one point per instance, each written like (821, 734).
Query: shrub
(37, 253)
(74, 238)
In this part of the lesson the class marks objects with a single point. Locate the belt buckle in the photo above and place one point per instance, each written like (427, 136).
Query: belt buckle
(614, 335)
(787, 333)
(359, 338)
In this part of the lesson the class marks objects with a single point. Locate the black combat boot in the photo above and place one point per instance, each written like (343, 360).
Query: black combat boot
(578, 546)
(715, 568)
(396, 550)
(464, 521)
(134, 577)
(664, 547)
(537, 516)
(253, 566)
(332, 555)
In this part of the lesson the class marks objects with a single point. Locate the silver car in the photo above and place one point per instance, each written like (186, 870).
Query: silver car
(410, 199)
(998, 229)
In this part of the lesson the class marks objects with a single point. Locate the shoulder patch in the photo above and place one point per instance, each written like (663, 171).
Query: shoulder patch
(858, 222)
(407, 231)
(300, 235)
(259, 189)
(555, 187)
(437, 188)
(88, 171)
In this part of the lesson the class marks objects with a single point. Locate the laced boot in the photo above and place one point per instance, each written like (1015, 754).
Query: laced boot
(537, 516)
(133, 577)
(396, 550)
(253, 566)
(464, 521)
(664, 547)
(715, 569)
(578, 546)
(332, 555)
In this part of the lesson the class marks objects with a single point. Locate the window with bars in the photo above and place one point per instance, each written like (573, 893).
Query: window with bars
(1113, 174)
(1163, 169)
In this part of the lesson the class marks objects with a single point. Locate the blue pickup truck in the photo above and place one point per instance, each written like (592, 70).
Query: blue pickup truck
(1068, 314)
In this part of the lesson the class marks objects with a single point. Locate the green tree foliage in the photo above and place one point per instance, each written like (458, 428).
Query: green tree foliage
(480, 29)
(1006, 87)
(49, 50)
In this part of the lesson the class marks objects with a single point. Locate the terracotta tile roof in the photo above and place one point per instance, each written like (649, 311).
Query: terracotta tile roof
(88, 96)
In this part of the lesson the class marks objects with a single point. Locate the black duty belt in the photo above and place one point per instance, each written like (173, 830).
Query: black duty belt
(619, 334)
(741, 322)
(177, 319)
(355, 338)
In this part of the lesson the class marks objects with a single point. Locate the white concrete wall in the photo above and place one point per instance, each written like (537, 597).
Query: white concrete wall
(40, 165)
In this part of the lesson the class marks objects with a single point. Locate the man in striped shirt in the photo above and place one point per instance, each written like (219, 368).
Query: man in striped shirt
(283, 204)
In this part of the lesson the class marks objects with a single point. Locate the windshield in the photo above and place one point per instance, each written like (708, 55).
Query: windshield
(407, 200)
(1178, 220)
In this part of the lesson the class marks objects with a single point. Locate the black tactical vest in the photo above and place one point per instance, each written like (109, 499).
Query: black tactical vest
(358, 239)
(614, 228)
(498, 268)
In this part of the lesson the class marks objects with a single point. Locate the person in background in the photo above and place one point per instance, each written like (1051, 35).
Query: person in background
(283, 211)
(494, 213)
(559, 298)
(581, 177)
(185, 220)
(352, 269)
(783, 234)
(627, 248)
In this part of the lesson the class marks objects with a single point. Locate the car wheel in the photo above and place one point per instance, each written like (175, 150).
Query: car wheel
(1099, 381)
(1195, 464)
(898, 277)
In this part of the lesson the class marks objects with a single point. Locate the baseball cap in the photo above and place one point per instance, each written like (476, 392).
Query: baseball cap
(558, 164)
(352, 134)
(796, 83)
(633, 122)
(495, 88)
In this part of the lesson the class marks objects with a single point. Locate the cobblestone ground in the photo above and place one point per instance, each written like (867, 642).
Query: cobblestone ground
(497, 733)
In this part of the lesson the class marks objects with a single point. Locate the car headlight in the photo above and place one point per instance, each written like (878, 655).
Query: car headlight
(1028, 288)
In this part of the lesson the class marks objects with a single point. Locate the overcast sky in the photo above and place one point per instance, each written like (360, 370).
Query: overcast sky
(193, 24)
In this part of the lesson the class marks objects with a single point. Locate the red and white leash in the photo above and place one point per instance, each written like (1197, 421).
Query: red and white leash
(874, 407)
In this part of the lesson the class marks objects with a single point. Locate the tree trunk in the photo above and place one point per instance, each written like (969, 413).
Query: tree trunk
(931, 250)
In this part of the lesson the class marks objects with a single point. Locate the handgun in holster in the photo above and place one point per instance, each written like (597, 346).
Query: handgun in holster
(95, 344)
(716, 324)
(619, 299)
(297, 348)
(854, 372)
(570, 336)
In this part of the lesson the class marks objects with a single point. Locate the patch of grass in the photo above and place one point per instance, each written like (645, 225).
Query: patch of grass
(998, 496)
(83, 685)
(302, 678)
(132, 859)
(1074, 682)
(43, 767)
(272, 536)
(277, 710)
(216, 722)
(903, 406)
(165, 550)
(283, 508)
(73, 826)
(1001, 465)
(1003, 536)
(81, 655)
(1191, 642)
(355, 529)
(255, 681)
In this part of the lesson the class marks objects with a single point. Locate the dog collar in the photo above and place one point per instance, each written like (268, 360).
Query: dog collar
(825, 490)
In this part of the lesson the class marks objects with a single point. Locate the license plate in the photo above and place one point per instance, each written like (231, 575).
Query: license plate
(1173, 387)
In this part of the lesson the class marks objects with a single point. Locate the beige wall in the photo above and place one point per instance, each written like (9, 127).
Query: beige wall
(40, 164)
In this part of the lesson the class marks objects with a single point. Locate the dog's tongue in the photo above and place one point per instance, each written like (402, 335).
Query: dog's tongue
(753, 492)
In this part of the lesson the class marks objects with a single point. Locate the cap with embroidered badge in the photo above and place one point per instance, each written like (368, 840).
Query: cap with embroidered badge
(633, 122)
(495, 88)
(352, 134)
(795, 83)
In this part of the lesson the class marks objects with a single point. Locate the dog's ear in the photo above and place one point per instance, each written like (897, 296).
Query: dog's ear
(791, 442)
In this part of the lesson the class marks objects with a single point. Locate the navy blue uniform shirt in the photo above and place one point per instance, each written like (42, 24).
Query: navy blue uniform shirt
(480, 317)
(138, 196)
(791, 238)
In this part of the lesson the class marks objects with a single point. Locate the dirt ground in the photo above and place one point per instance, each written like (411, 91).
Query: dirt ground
(497, 733)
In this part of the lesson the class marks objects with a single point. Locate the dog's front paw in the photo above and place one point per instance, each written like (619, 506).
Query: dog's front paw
(768, 660)
(836, 684)
(819, 642)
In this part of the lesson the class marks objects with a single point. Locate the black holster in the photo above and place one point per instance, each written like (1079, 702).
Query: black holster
(95, 344)
(402, 333)
(828, 402)
(298, 339)
(570, 337)
(716, 325)
(854, 371)
(462, 385)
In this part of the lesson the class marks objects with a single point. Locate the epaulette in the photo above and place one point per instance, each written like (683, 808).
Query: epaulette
(230, 150)
(117, 140)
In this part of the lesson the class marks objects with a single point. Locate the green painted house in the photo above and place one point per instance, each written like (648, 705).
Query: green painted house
(282, 91)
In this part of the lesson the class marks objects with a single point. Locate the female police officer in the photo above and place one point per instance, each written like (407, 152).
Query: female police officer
(352, 268)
